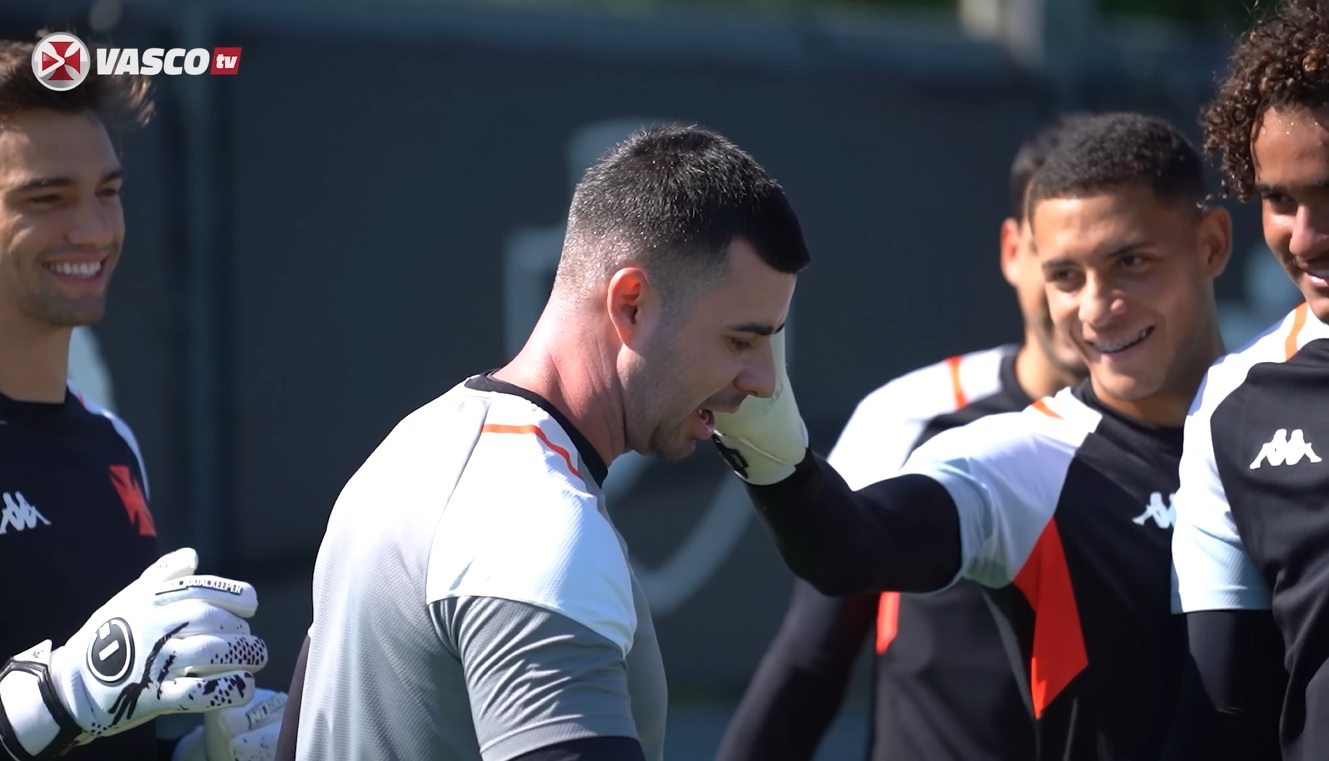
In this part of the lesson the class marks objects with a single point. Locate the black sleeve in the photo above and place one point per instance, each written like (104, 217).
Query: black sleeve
(801, 681)
(901, 534)
(1232, 688)
(290, 720)
(588, 749)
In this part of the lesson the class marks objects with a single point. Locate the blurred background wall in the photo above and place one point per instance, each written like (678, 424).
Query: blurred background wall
(372, 209)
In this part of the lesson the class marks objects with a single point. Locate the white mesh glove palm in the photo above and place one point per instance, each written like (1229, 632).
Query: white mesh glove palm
(170, 642)
(244, 733)
(766, 438)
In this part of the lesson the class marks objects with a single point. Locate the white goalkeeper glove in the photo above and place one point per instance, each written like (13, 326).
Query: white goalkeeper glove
(244, 733)
(170, 642)
(765, 439)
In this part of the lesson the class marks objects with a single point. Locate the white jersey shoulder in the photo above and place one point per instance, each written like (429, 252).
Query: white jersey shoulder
(1276, 344)
(1005, 474)
(1211, 570)
(886, 424)
(525, 522)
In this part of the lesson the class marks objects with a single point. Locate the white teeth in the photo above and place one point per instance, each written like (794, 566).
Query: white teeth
(1108, 348)
(76, 269)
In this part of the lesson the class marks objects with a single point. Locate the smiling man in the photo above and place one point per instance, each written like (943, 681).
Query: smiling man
(1060, 511)
(1252, 541)
(472, 599)
(76, 528)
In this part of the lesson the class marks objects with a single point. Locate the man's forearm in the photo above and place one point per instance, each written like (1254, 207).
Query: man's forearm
(900, 534)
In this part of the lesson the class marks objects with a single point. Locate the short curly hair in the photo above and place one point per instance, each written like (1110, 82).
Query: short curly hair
(1106, 152)
(1282, 61)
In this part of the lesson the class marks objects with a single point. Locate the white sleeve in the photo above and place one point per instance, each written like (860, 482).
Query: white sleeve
(876, 440)
(539, 541)
(1005, 474)
(1210, 567)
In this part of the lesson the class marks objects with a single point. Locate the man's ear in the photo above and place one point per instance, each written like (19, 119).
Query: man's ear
(1216, 239)
(1010, 250)
(625, 300)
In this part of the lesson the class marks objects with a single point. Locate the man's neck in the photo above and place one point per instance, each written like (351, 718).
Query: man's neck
(36, 366)
(563, 363)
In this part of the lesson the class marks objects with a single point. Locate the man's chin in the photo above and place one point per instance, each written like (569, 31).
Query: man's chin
(678, 452)
(1125, 387)
(76, 315)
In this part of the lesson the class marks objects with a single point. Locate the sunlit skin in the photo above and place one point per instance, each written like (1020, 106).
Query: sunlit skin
(634, 375)
(1047, 361)
(1291, 155)
(1129, 280)
(59, 209)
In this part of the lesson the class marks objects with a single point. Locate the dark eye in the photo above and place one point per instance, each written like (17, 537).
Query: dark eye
(46, 199)
(1131, 261)
(738, 344)
(109, 192)
(1278, 200)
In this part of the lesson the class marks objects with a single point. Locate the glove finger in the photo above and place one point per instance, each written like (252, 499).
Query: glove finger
(172, 565)
(183, 618)
(235, 596)
(209, 655)
(258, 745)
(186, 694)
(264, 710)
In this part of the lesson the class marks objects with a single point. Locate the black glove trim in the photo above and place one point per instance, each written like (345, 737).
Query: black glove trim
(69, 730)
(732, 457)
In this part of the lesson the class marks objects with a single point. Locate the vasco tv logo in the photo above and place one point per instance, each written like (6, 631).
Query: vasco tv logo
(62, 62)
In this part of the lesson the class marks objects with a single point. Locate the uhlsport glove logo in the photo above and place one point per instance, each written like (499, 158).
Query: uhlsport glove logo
(111, 652)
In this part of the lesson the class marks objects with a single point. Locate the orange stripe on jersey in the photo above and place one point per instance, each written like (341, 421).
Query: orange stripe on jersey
(888, 620)
(539, 434)
(1298, 322)
(1043, 407)
(957, 388)
(1058, 654)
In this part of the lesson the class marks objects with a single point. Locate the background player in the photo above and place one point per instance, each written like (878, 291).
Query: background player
(943, 683)
(1060, 510)
(1252, 532)
(470, 584)
(75, 524)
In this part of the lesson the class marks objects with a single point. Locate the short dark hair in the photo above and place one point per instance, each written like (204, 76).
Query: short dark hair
(1029, 157)
(674, 198)
(1108, 152)
(118, 101)
(1282, 61)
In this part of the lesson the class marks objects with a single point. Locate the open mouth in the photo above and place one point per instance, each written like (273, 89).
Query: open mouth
(1317, 271)
(707, 418)
(80, 270)
(1116, 347)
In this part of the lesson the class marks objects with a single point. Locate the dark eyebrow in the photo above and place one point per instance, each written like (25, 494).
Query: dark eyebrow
(1125, 248)
(1264, 188)
(42, 183)
(760, 328)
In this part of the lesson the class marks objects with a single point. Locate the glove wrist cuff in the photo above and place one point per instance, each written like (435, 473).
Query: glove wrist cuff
(34, 724)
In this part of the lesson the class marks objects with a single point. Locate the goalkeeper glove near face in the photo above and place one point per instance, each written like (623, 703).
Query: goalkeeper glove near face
(765, 439)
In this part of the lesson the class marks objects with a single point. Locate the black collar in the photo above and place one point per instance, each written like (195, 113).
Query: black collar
(596, 464)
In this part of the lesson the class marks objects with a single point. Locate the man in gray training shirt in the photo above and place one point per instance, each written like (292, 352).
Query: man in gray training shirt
(472, 599)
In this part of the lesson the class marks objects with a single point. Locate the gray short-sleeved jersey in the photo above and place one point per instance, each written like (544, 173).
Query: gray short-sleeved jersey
(472, 599)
